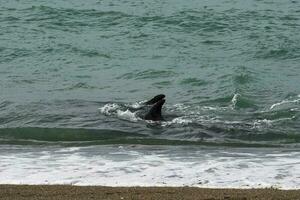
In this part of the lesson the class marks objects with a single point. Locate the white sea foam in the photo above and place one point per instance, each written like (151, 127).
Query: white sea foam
(137, 105)
(268, 122)
(284, 102)
(210, 108)
(261, 123)
(234, 100)
(151, 166)
(179, 107)
(177, 120)
(127, 115)
(181, 120)
(115, 109)
(107, 109)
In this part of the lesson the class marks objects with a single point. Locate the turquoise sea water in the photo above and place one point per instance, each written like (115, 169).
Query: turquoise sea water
(230, 71)
(73, 72)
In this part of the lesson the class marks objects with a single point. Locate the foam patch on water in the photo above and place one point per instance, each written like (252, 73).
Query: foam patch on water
(137, 105)
(181, 106)
(115, 109)
(177, 120)
(210, 108)
(265, 123)
(234, 100)
(284, 102)
(108, 109)
(262, 123)
(151, 166)
(181, 120)
(127, 115)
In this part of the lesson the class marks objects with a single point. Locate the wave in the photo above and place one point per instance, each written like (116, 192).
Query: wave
(36, 135)
(88, 137)
(234, 101)
(39, 13)
(223, 121)
(283, 102)
(226, 123)
(149, 74)
(193, 82)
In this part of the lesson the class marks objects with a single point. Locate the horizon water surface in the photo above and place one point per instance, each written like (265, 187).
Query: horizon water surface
(72, 72)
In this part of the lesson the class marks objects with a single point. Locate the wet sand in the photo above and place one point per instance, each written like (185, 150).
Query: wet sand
(66, 192)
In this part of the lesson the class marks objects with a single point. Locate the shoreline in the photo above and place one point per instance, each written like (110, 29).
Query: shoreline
(66, 192)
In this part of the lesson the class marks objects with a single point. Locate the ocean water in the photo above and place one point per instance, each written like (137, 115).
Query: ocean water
(72, 74)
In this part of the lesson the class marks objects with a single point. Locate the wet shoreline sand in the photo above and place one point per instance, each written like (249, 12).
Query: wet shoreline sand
(66, 192)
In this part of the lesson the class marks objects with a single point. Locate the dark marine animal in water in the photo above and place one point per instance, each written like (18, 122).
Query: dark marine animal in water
(154, 113)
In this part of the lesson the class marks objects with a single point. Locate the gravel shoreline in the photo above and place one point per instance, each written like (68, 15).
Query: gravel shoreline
(65, 192)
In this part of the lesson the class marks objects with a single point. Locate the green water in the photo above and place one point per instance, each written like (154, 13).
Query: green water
(230, 70)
